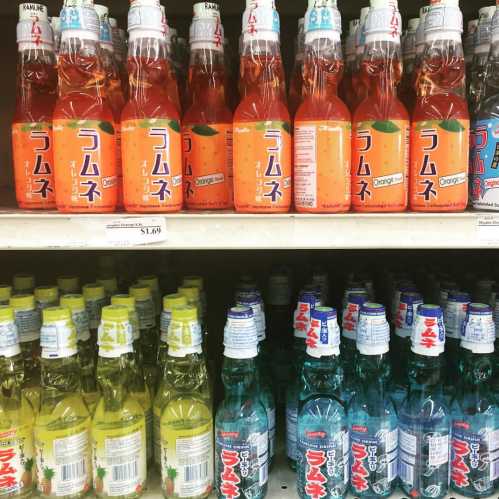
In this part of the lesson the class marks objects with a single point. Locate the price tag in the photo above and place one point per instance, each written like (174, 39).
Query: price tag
(488, 229)
(136, 231)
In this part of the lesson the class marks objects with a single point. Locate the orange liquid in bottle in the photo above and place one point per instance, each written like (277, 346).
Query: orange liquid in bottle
(322, 135)
(32, 129)
(151, 138)
(84, 132)
(262, 133)
(207, 131)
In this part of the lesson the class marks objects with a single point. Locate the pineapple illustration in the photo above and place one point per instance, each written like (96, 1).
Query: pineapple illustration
(48, 474)
(171, 474)
(27, 478)
(99, 480)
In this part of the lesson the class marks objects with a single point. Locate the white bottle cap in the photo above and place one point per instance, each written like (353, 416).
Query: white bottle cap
(206, 10)
(455, 313)
(33, 30)
(373, 330)
(206, 31)
(384, 4)
(428, 333)
(323, 337)
(146, 21)
(80, 21)
(350, 317)
(255, 302)
(384, 22)
(406, 313)
(353, 26)
(261, 22)
(113, 22)
(317, 4)
(240, 335)
(322, 23)
(102, 10)
(420, 40)
(478, 333)
(444, 21)
(31, 11)
(250, 4)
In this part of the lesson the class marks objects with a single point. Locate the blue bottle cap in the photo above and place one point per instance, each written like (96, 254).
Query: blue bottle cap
(255, 302)
(301, 318)
(458, 296)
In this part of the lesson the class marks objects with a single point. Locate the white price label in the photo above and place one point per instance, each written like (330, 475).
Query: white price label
(488, 229)
(136, 231)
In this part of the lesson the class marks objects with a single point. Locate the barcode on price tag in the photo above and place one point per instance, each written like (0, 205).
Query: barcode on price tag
(137, 231)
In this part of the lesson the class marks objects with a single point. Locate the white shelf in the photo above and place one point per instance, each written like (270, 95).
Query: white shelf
(195, 231)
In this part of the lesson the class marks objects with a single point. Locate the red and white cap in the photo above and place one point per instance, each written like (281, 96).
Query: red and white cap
(33, 29)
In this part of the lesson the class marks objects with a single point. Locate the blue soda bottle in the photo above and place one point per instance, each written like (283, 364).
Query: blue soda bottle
(424, 422)
(322, 421)
(241, 429)
(372, 419)
(255, 302)
(301, 324)
(474, 411)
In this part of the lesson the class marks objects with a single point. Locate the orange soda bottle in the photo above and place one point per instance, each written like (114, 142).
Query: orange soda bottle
(151, 135)
(84, 130)
(114, 89)
(358, 81)
(207, 124)
(380, 153)
(347, 92)
(323, 147)
(441, 123)
(35, 101)
(296, 81)
(262, 128)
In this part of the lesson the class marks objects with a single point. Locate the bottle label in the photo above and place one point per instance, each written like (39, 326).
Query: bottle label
(145, 311)
(145, 17)
(478, 330)
(208, 166)
(323, 463)
(114, 339)
(207, 33)
(431, 453)
(85, 165)
(455, 313)
(441, 18)
(380, 165)
(9, 339)
(323, 16)
(301, 320)
(63, 461)
(263, 176)
(164, 324)
(485, 163)
(440, 162)
(291, 430)
(258, 19)
(28, 324)
(33, 165)
(187, 467)
(58, 340)
(81, 322)
(94, 311)
(152, 164)
(474, 458)
(182, 335)
(372, 331)
(241, 463)
(350, 321)
(80, 18)
(374, 459)
(17, 461)
(405, 319)
(322, 184)
(120, 460)
(428, 336)
(240, 335)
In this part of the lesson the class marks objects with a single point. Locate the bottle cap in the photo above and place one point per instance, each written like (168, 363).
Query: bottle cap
(455, 313)
(68, 284)
(33, 11)
(323, 20)
(58, 336)
(191, 293)
(116, 313)
(240, 334)
(351, 313)
(6, 313)
(113, 22)
(279, 289)
(494, 30)
(79, 19)
(23, 282)
(22, 302)
(406, 314)
(478, 330)
(444, 21)
(54, 314)
(351, 38)
(255, 302)
(74, 302)
(206, 10)
(141, 292)
(124, 300)
(384, 22)
(193, 281)
(413, 24)
(323, 336)
(5, 292)
(93, 292)
(47, 294)
(146, 20)
(184, 333)
(307, 301)
(115, 335)
(110, 285)
(373, 330)
(149, 280)
(403, 287)
(428, 333)
(261, 22)
(174, 300)
(420, 32)
(360, 38)
(9, 335)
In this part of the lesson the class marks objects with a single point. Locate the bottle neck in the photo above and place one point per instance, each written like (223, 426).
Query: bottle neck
(477, 369)
(59, 378)
(425, 374)
(11, 379)
(239, 378)
(113, 376)
(323, 68)
(321, 375)
(186, 374)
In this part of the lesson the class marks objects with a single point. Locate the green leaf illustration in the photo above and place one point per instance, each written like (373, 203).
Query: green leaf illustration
(75, 124)
(174, 125)
(261, 126)
(385, 127)
(451, 126)
(31, 128)
(204, 130)
(106, 127)
(286, 127)
(159, 122)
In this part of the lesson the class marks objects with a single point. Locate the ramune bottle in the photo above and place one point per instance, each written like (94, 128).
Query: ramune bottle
(62, 427)
(35, 100)
(186, 423)
(119, 450)
(84, 133)
(16, 415)
(322, 121)
(484, 142)
(372, 419)
(322, 456)
(474, 411)
(241, 430)
(424, 422)
(301, 325)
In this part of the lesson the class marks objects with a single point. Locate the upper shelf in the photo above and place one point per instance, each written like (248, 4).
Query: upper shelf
(196, 231)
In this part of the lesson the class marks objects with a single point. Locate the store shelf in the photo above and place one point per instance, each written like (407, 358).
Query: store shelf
(194, 231)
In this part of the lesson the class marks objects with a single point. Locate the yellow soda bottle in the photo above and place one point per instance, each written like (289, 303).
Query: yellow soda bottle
(110, 285)
(68, 284)
(23, 284)
(197, 281)
(46, 296)
(5, 294)
(86, 348)
(27, 318)
(16, 415)
(138, 387)
(95, 299)
(187, 418)
(62, 427)
(163, 393)
(118, 425)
